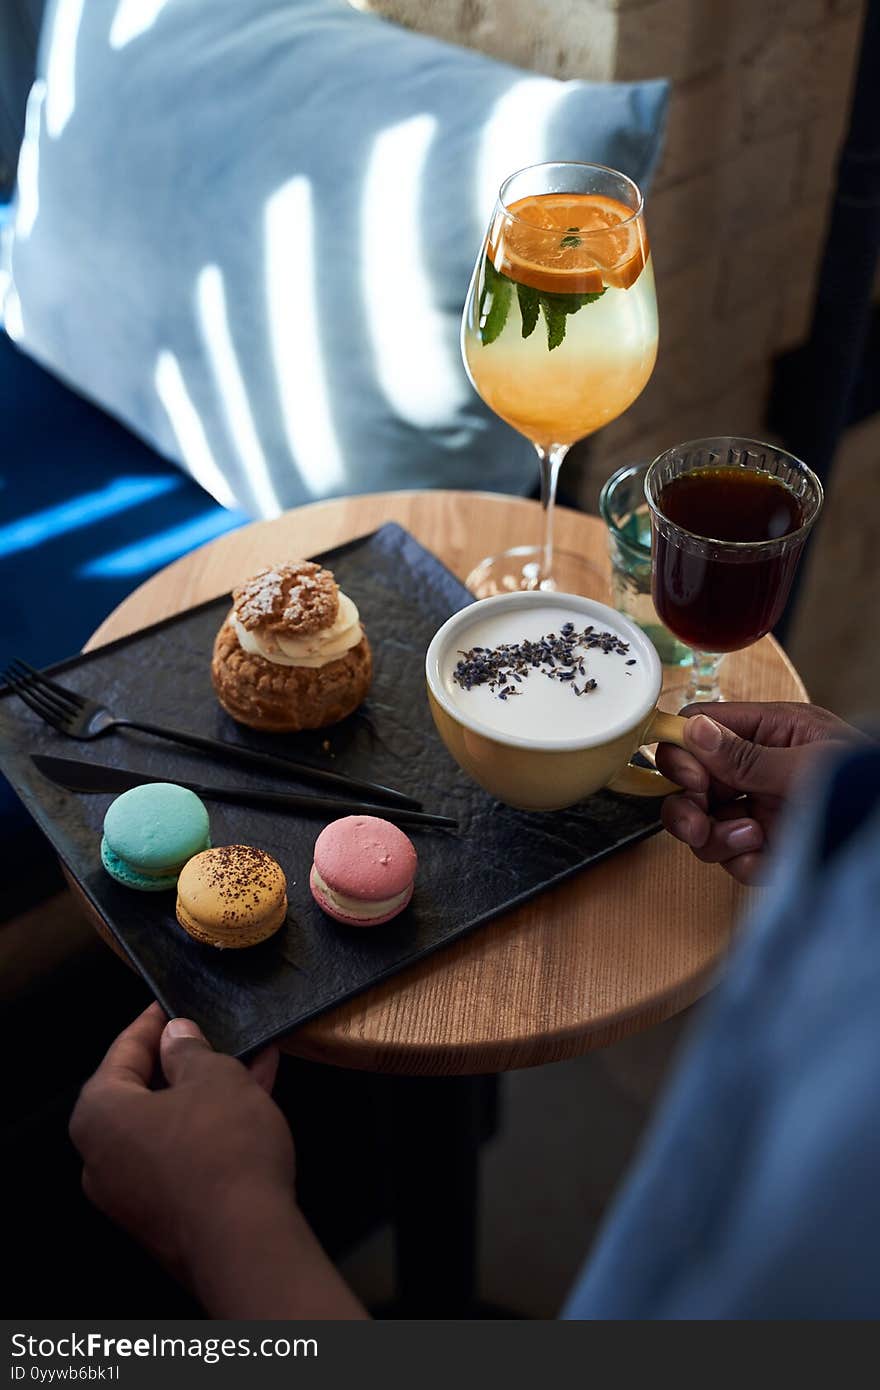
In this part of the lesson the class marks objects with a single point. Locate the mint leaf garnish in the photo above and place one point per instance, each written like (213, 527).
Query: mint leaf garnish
(570, 242)
(494, 302)
(495, 299)
(557, 306)
(528, 308)
(554, 313)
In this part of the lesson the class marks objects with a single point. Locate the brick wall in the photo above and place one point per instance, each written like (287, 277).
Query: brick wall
(738, 209)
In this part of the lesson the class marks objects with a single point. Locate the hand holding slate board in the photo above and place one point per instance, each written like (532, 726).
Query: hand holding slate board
(498, 858)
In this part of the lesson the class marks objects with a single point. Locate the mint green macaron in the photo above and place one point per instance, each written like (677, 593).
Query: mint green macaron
(150, 832)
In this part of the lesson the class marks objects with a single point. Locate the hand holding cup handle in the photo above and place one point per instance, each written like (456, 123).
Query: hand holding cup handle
(739, 765)
(647, 781)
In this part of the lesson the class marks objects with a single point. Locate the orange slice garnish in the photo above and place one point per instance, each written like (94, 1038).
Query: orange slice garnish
(569, 243)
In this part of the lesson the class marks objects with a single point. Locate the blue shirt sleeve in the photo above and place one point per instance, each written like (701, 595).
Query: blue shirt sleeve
(757, 1192)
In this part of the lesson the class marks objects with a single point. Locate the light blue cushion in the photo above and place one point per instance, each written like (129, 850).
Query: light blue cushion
(247, 229)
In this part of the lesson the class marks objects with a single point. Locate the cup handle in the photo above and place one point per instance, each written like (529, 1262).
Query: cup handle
(647, 781)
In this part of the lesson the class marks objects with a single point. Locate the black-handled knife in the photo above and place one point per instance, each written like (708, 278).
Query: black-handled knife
(78, 776)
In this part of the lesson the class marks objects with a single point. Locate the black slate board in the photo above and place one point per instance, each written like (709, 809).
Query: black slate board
(498, 858)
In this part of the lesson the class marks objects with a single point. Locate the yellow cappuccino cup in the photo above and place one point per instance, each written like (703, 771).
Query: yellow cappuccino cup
(543, 698)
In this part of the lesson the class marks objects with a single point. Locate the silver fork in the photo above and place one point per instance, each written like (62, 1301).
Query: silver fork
(81, 718)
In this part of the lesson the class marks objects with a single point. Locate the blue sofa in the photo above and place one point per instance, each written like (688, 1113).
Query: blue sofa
(87, 512)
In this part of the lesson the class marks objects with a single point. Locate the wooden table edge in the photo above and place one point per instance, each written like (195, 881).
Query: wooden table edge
(512, 1053)
(459, 1059)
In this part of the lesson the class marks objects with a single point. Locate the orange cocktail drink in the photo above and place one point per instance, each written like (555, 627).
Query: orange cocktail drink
(558, 344)
(559, 334)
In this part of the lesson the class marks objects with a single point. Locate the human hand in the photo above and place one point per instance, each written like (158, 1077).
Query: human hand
(167, 1165)
(737, 772)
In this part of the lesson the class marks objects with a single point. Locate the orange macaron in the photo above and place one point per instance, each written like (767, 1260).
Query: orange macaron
(232, 896)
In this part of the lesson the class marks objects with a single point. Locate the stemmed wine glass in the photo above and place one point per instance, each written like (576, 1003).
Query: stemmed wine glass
(729, 519)
(559, 333)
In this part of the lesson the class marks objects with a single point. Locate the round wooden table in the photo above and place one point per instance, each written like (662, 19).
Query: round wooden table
(623, 945)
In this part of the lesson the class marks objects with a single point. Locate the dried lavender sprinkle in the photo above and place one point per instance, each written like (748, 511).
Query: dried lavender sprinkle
(557, 657)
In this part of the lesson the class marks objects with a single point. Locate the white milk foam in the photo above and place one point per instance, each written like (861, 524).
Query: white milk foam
(548, 709)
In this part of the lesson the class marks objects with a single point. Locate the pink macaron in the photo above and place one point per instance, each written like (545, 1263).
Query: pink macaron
(363, 871)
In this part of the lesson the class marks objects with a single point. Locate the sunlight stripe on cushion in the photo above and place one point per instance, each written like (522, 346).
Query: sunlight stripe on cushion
(133, 18)
(231, 391)
(295, 337)
(516, 134)
(188, 429)
(61, 66)
(417, 361)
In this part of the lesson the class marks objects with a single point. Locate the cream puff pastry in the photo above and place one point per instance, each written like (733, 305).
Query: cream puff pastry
(291, 653)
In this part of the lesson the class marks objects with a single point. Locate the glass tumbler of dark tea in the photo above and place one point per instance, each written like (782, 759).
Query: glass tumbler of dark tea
(729, 519)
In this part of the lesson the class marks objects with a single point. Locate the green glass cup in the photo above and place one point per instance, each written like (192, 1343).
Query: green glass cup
(625, 511)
